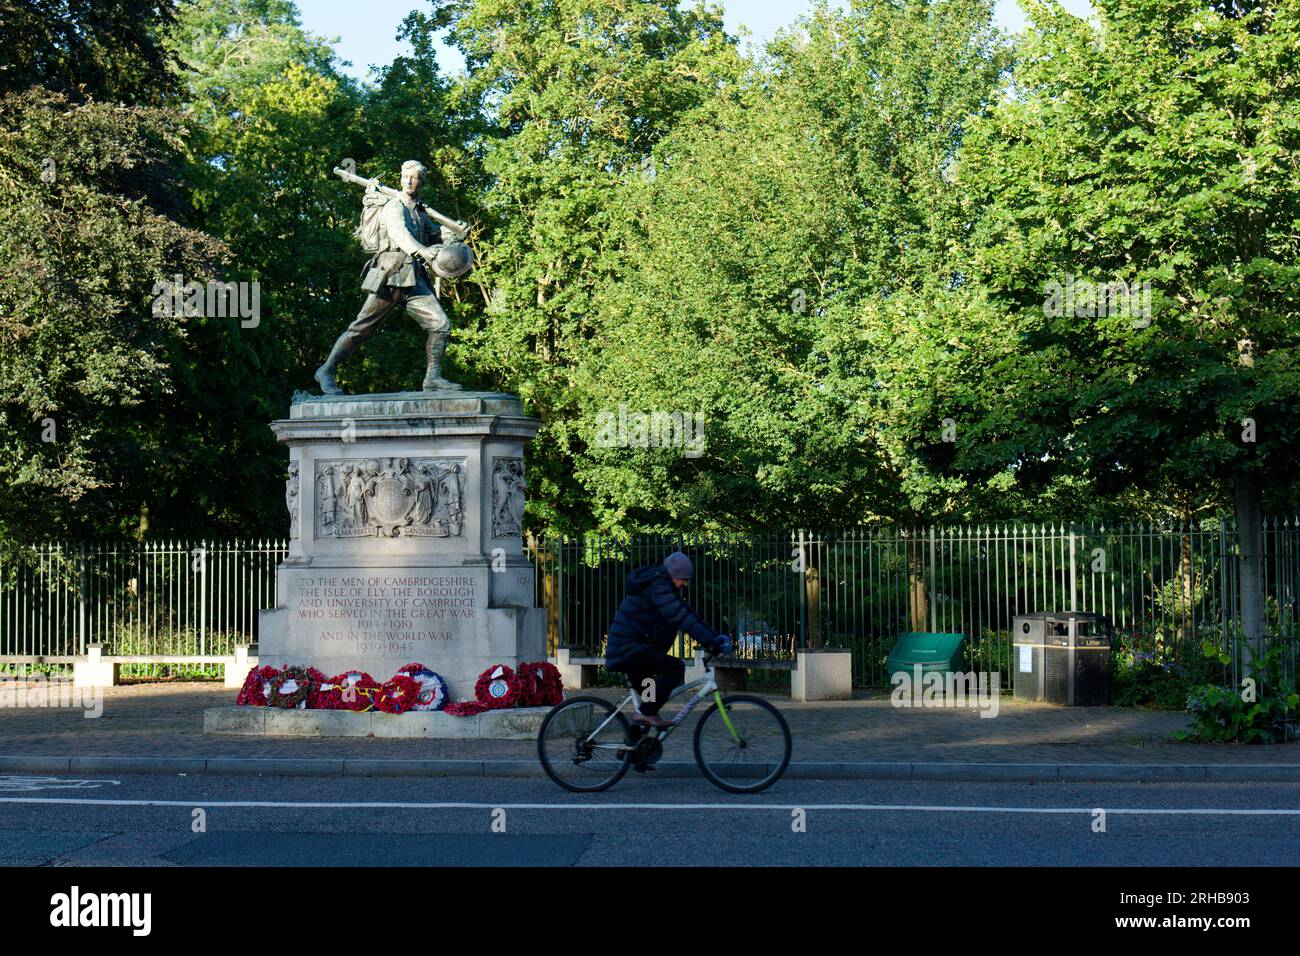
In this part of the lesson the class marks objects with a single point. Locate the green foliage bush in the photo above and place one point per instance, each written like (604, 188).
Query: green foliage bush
(1153, 667)
(1227, 715)
(989, 652)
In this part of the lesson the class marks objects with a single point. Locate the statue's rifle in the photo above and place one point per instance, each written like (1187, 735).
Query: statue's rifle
(459, 229)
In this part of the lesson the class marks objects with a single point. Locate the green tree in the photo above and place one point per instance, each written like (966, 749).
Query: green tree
(272, 119)
(1158, 147)
(786, 224)
(220, 49)
(180, 444)
(90, 372)
(574, 94)
(266, 190)
(105, 49)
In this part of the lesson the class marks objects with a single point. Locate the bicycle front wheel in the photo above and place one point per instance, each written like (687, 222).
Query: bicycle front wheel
(745, 746)
(584, 744)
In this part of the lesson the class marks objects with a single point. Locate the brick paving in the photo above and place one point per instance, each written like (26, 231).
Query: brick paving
(166, 720)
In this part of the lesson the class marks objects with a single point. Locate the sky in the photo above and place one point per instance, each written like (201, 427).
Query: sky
(371, 39)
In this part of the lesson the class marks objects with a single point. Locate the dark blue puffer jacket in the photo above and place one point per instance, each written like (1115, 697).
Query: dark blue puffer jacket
(652, 613)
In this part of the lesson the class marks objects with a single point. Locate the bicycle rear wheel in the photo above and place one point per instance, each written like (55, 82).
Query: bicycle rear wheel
(751, 759)
(583, 744)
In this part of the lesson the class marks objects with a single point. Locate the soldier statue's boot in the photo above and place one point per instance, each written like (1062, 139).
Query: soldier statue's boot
(325, 374)
(437, 348)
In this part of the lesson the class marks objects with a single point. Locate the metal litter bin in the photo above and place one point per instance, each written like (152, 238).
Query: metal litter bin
(1062, 657)
(1028, 637)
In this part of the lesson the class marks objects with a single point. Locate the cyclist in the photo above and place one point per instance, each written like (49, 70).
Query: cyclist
(648, 619)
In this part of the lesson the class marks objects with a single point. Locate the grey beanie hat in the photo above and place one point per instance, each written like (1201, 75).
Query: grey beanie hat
(678, 565)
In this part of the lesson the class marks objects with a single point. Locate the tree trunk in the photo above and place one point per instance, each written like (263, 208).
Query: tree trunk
(546, 559)
(1186, 615)
(918, 609)
(1250, 562)
(812, 585)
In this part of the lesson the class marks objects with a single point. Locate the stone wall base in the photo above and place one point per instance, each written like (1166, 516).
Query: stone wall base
(515, 723)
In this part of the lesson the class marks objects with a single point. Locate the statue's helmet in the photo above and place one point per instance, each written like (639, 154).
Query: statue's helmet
(452, 260)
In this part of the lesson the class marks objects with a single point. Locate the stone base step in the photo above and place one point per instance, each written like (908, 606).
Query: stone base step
(516, 723)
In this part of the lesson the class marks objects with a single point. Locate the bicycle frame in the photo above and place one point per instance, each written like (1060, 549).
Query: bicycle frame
(707, 684)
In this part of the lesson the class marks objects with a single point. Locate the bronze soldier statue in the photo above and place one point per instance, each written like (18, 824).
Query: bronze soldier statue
(407, 242)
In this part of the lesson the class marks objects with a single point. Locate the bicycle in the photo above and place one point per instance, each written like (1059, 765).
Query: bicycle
(740, 738)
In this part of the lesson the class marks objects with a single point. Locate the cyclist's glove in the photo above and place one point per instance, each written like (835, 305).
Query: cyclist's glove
(723, 645)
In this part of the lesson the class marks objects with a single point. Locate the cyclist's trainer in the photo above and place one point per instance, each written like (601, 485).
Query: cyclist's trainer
(647, 622)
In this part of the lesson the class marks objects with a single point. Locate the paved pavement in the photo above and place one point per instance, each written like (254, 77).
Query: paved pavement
(156, 721)
(154, 820)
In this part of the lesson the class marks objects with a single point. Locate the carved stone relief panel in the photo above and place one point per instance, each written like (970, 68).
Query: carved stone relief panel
(390, 497)
(508, 489)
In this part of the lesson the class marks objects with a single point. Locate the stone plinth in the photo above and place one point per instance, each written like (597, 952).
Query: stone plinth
(514, 723)
(236, 672)
(94, 671)
(822, 674)
(405, 538)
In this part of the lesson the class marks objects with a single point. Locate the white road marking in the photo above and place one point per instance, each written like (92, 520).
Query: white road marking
(727, 807)
(11, 784)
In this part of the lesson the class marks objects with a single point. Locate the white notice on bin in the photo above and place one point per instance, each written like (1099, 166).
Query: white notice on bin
(1026, 659)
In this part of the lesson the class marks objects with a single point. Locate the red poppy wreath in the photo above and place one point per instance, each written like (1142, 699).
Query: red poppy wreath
(256, 686)
(398, 695)
(357, 690)
(541, 685)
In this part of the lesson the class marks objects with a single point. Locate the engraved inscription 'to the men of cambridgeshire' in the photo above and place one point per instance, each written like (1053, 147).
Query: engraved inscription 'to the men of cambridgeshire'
(388, 497)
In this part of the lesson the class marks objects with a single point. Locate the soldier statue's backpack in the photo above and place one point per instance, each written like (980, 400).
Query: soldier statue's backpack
(371, 230)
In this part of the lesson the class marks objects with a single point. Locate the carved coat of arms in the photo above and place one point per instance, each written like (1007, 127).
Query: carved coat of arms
(389, 497)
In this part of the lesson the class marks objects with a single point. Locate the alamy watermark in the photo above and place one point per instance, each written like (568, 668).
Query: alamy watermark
(1084, 298)
(76, 909)
(36, 690)
(213, 299)
(624, 429)
(980, 690)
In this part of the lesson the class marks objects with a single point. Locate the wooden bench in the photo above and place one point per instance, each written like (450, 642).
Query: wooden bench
(578, 669)
(814, 674)
(733, 673)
